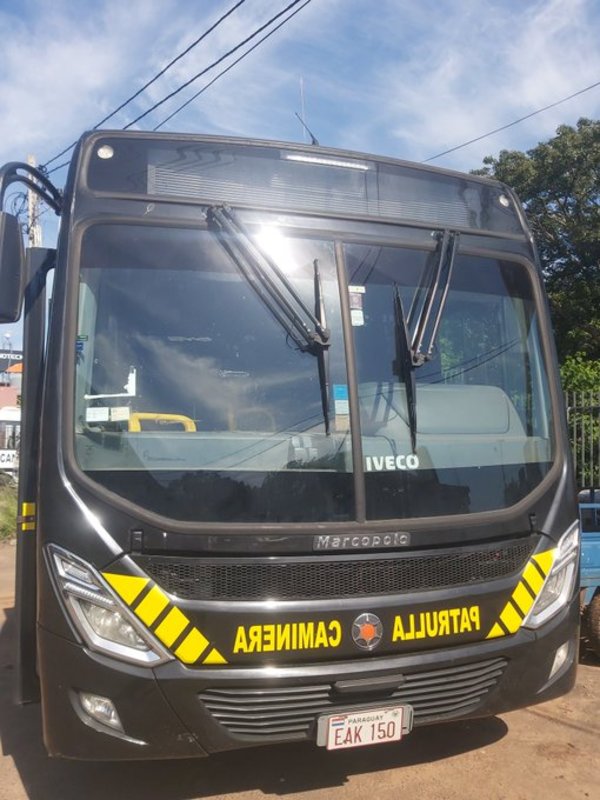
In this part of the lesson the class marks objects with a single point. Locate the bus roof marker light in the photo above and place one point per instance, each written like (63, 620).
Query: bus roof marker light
(105, 151)
(327, 162)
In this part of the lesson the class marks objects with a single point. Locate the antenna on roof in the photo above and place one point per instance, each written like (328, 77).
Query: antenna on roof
(313, 139)
(302, 116)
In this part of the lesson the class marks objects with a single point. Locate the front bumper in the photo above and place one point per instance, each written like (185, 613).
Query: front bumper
(175, 711)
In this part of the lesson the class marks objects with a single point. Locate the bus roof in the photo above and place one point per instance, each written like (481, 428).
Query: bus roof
(291, 177)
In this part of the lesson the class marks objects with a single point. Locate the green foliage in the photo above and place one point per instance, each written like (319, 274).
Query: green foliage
(558, 183)
(8, 510)
(580, 374)
(581, 382)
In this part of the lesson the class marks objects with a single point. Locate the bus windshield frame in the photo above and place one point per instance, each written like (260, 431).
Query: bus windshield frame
(153, 496)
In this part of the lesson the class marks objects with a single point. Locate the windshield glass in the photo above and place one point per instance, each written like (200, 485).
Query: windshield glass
(194, 401)
(191, 399)
(483, 417)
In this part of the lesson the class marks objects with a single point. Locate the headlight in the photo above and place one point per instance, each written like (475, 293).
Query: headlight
(559, 584)
(103, 621)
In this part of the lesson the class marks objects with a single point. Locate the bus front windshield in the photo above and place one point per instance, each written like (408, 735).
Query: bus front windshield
(195, 401)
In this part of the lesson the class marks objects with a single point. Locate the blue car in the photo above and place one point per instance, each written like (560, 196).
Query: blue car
(589, 512)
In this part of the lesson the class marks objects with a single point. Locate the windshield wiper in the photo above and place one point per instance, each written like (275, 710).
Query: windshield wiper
(322, 351)
(424, 318)
(404, 366)
(428, 305)
(307, 330)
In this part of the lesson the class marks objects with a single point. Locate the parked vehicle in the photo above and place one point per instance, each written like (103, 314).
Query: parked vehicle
(589, 512)
(10, 434)
(295, 462)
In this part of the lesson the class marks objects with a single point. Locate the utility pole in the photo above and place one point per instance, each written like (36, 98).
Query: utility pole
(34, 229)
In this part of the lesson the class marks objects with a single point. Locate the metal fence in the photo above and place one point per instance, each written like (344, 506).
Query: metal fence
(583, 414)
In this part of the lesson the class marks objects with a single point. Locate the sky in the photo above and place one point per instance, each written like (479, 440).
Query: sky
(400, 78)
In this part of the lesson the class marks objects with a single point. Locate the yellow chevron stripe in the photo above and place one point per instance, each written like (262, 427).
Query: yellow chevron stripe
(495, 632)
(533, 578)
(214, 657)
(522, 598)
(192, 647)
(128, 587)
(151, 606)
(172, 626)
(545, 560)
(510, 618)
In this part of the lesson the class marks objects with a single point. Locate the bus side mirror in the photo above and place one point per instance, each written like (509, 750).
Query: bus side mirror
(12, 268)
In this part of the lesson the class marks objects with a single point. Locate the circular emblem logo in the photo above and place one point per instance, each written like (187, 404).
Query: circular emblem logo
(367, 631)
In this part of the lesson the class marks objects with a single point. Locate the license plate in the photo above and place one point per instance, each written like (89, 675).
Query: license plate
(358, 728)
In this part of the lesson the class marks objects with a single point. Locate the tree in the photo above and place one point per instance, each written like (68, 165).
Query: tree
(558, 183)
(579, 374)
(581, 381)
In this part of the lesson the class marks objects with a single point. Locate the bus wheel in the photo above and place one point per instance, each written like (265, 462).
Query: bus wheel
(592, 618)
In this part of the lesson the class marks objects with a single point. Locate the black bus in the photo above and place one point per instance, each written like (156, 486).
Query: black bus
(294, 456)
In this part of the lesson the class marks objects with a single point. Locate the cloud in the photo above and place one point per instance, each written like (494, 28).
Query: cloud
(400, 78)
(486, 70)
(248, 100)
(63, 66)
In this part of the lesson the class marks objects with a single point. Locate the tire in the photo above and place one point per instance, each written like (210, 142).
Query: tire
(592, 615)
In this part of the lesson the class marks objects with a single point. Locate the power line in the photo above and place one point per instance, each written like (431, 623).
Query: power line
(237, 61)
(152, 80)
(204, 71)
(55, 169)
(510, 124)
(207, 69)
(211, 66)
(18, 204)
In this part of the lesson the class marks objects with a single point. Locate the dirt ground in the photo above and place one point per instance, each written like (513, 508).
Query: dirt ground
(551, 751)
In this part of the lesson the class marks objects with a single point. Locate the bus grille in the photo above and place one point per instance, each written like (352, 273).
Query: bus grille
(324, 577)
(289, 712)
